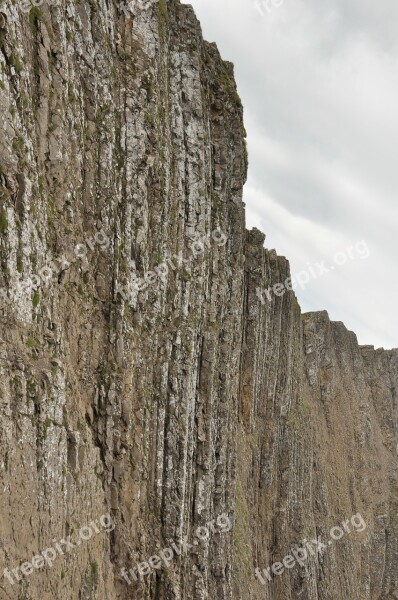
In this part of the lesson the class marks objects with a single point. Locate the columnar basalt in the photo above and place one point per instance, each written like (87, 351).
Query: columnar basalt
(171, 402)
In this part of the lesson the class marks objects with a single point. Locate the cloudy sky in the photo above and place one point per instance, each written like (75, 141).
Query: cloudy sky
(319, 83)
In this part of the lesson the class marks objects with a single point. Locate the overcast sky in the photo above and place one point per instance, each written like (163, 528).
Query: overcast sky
(319, 84)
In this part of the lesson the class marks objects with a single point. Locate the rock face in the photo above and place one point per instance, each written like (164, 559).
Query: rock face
(165, 428)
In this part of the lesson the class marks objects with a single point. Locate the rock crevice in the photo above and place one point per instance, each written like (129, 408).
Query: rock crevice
(148, 392)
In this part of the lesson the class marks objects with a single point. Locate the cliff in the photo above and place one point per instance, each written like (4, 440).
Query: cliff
(164, 431)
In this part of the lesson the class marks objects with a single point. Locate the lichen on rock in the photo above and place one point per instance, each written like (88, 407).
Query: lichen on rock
(168, 405)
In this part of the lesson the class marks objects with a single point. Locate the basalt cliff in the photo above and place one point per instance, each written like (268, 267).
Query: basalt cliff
(164, 432)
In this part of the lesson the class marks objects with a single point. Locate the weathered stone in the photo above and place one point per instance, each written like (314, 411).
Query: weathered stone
(144, 376)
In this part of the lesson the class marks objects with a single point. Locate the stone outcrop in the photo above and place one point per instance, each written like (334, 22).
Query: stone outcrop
(147, 393)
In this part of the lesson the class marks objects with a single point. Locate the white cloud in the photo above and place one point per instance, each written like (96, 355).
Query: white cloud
(320, 91)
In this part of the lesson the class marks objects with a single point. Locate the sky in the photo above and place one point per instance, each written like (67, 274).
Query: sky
(319, 85)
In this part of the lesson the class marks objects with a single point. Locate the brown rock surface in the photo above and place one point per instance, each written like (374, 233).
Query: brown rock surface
(168, 404)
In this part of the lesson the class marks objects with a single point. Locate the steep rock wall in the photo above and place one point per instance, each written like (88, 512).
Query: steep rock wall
(185, 401)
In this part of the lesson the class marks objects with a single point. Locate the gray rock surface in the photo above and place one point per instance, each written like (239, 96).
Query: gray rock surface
(184, 400)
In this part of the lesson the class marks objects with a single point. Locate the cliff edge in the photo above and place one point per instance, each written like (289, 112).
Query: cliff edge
(166, 433)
